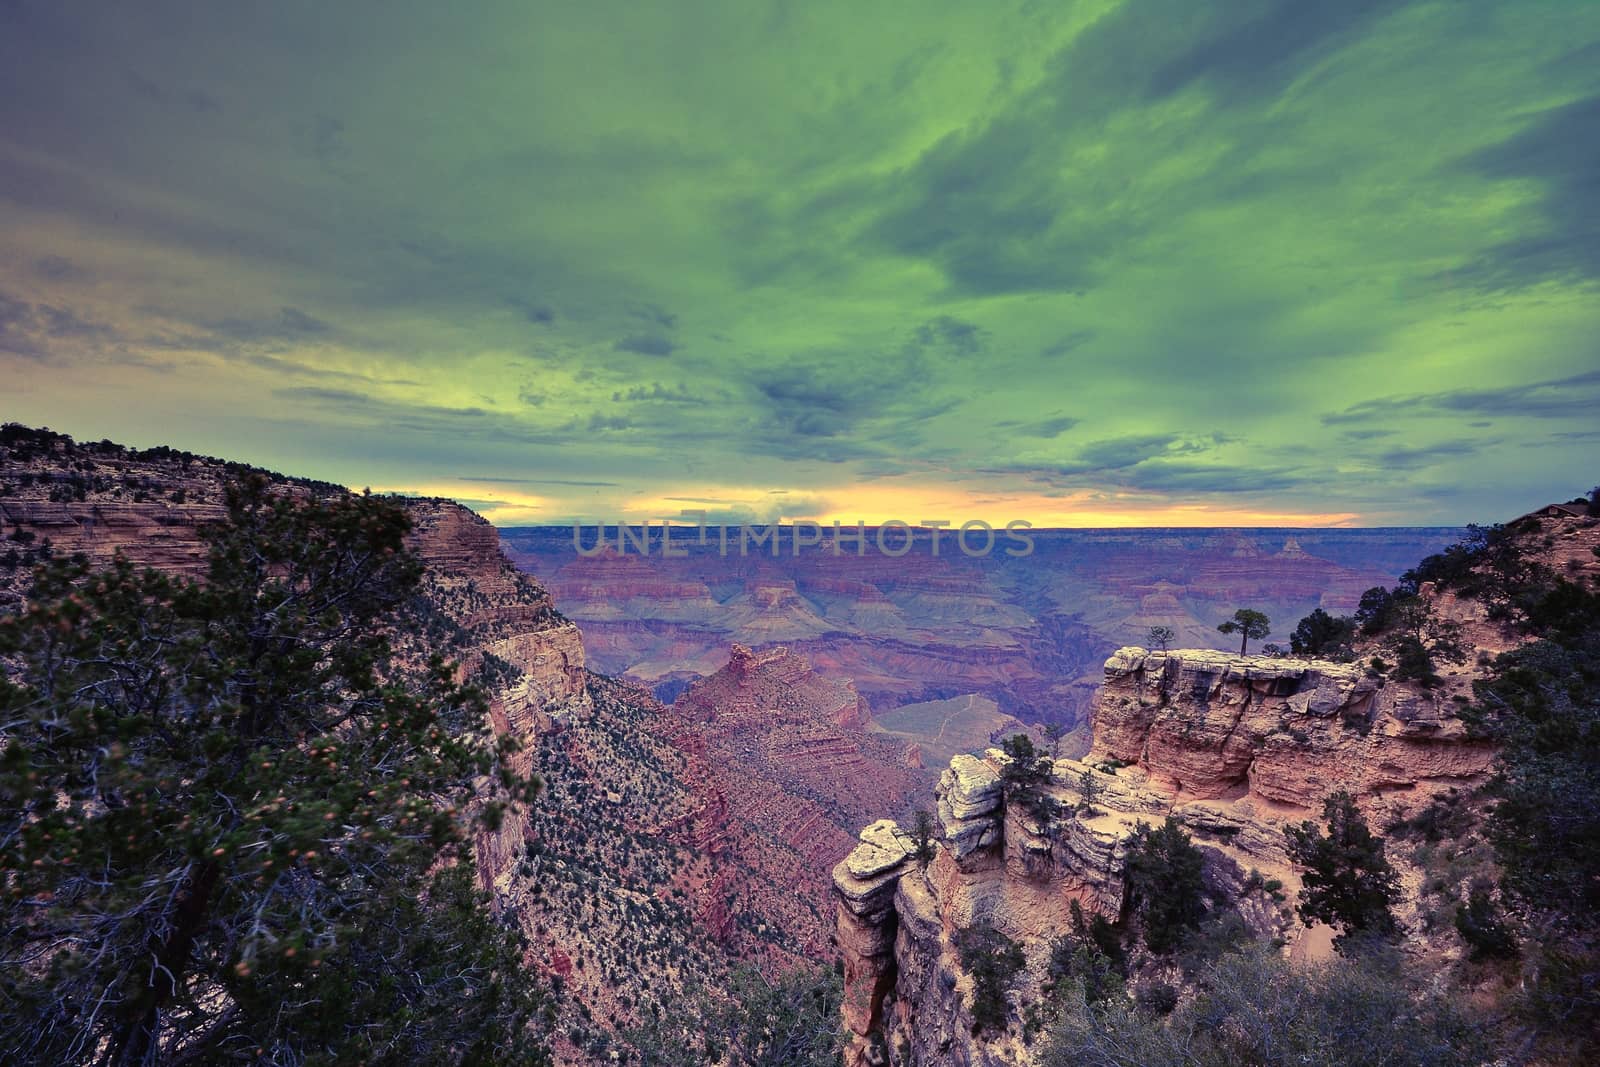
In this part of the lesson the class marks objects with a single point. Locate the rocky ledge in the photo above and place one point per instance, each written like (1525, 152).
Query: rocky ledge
(1234, 747)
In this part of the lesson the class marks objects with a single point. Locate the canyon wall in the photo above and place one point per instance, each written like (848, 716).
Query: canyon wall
(601, 873)
(1234, 747)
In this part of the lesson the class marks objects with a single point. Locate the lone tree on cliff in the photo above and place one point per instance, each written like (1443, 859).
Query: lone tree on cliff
(228, 820)
(1024, 776)
(1247, 623)
(923, 835)
(1348, 882)
(1160, 637)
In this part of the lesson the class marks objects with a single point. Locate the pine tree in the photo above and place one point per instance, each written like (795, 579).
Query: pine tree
(1166, 885)
(231, 822)
(1347, 882)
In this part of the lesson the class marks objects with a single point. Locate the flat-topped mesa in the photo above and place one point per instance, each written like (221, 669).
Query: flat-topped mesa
(1212, 725)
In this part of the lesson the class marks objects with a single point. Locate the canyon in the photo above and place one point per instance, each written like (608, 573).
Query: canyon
(1024, 634)
(669, 844)
(814, 696)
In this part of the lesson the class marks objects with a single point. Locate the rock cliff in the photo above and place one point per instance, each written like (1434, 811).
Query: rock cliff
(600, 874)
(1232, 746)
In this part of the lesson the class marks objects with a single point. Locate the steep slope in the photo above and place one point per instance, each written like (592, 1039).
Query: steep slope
(602, 874)
(785, 771)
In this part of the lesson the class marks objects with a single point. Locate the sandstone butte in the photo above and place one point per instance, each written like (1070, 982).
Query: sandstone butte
(1234, 746)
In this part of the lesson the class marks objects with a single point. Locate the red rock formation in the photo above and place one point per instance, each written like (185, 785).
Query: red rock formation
(784, 772)
(920, 627)
(1234, 747)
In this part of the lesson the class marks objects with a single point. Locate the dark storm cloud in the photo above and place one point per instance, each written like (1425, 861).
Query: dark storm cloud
(34, 330)
(288, 324)
(1161, 476)
(1258, 49)
(808, 404)
(59, 269)
(1071, 342)
(17, 328)
(1552, 399)
(1121, 452)
(647, 345)
(964, 338)
(1052, 427)
(677, 394)
(996, 208)
(531, 481)
(1561, 150)
(1411, 458)
(656, 315)
(191, 99)
(536, 313)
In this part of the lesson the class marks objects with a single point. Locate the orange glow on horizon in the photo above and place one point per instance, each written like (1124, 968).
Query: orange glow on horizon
(872, 503)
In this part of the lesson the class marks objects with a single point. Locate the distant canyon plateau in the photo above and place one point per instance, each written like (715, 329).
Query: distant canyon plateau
(945, 648)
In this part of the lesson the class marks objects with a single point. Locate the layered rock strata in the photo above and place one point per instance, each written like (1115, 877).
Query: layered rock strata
(1233, 747)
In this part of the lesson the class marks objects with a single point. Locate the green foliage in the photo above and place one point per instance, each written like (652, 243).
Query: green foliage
(1324, 635)
(1560, 998)
(229, 820)
(922, 837)
(1090, 790)
(1160, 637)
(1247, 623)
(993, 960)
(1543, 703)
(791, 1021)
(1446, 816)
(1089, 961)
(1483, 927)
(1412, 632)
(1166, 885)
(1347, 880)
(1257, 1009)
(1024, 775)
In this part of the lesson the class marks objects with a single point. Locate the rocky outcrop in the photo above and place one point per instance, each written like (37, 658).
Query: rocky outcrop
(1234, 747)
(1208, 725)
(969, 806)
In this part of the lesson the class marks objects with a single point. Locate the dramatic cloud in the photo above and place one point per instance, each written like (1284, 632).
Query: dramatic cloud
(1090, 261)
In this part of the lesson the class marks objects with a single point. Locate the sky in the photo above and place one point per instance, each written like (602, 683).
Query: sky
(1099, 262)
